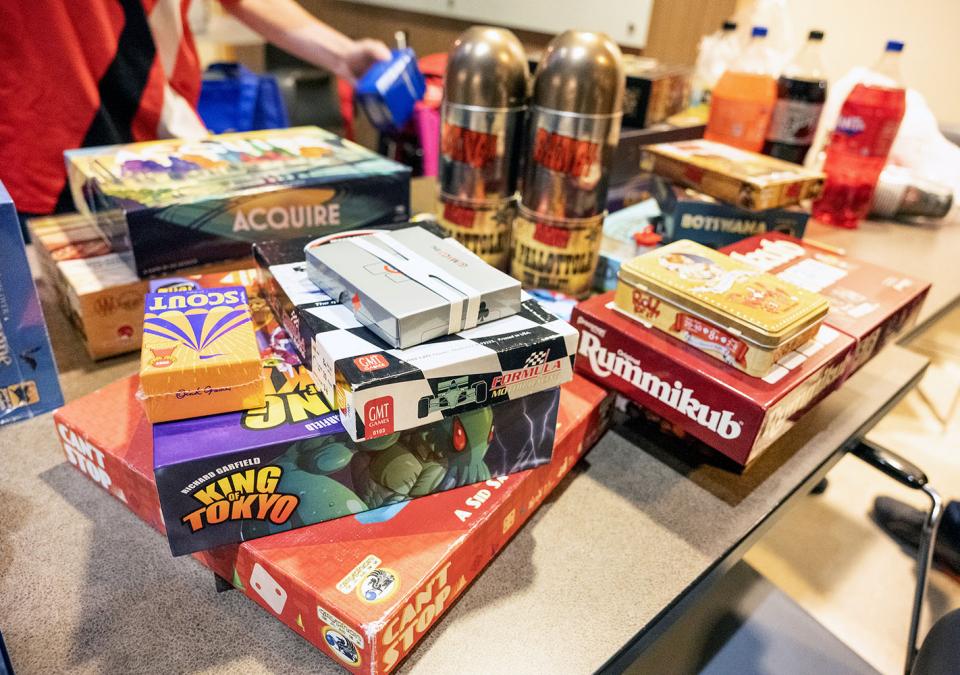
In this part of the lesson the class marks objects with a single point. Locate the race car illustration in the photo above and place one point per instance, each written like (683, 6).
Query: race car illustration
(452, 394)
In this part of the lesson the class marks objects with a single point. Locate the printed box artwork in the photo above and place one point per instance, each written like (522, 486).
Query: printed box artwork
(870, 303)
(389, 573)
(97, 286)
(732, 412)
(189, 202)
(199, 355)
(739, 177)
(735, 313)
(237, 476)
(409, 286)
(28, 372)
(379, 390)
(687, 214)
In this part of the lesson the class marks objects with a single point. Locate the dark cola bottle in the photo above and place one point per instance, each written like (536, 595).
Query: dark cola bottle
(801, 91)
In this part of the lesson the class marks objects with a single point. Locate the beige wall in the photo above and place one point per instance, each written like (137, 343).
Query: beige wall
(856, 31)
(675, 25)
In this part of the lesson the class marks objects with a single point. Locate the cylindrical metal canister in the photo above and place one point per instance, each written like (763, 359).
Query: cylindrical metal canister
(483, 228)
(559, 254)
(485, 94)
(572, 131)
(574, 126)
(485, 91)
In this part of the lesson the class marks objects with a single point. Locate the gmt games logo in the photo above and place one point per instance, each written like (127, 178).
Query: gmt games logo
(247, 494)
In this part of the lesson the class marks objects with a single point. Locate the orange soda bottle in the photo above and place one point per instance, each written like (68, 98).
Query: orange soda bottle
(743, 100)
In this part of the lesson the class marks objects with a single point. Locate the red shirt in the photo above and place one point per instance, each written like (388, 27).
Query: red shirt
(83, 73)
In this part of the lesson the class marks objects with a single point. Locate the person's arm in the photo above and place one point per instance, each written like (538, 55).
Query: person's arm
(289, 26)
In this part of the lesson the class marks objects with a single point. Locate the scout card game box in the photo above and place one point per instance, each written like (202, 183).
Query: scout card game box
(237, 476)
(688, 214)
(363, 589)
(97, 285)
(739, 177)
(732, 412)
(870, 303)
(28, 372)
(189, 202)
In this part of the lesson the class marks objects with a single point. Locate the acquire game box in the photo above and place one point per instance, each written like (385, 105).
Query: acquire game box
(189, 202)
(29, 384)
(390, 573)
(870, 303)
(732, 412)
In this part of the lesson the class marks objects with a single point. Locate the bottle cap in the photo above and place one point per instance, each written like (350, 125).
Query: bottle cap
(729, 25)
(815, 35)
(894, 46)
(759, 31)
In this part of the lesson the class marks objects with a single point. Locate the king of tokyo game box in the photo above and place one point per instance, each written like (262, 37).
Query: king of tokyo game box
(365, 588)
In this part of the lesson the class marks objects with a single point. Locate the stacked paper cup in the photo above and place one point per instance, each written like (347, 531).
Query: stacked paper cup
(485, 92)
(572, 131)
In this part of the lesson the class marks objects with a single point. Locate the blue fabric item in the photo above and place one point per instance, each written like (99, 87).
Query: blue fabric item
(234, 98)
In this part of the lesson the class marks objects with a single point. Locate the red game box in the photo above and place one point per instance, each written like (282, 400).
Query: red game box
(364, 589)
(872, 304)
(736, 414)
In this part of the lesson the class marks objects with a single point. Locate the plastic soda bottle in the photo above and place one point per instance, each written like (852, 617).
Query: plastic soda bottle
(742, 102)
(801, 91)
(860, 143)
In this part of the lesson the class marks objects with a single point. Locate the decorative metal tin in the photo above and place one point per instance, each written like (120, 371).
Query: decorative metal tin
(725, 308)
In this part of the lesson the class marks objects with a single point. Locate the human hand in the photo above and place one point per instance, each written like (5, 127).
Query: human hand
(360, 56)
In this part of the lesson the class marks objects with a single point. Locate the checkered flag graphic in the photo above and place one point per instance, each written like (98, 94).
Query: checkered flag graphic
(536, 358)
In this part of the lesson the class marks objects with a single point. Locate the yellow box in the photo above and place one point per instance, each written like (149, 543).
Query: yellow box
(746, 318)
(200, 355)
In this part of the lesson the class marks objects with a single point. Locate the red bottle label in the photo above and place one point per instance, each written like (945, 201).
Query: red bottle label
(866, 129)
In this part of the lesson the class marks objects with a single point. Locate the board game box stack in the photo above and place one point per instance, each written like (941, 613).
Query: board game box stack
(390, 572)
(716, 195)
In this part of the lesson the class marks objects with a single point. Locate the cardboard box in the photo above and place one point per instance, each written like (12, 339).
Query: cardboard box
(730, 411)
(97, 287)
(739, 177)
(653, 92)
(29, 384)
(238, 476)
(190, 202)
(688, 214)
(200, 355)
(379, 391)
(410, 286)
(430, 549)
(872, 304)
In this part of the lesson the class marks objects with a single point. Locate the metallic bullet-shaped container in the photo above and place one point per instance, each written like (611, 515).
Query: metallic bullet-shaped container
(574, 126)
(485, 93)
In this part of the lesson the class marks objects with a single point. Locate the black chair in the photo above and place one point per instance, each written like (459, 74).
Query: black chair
(940, 653)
